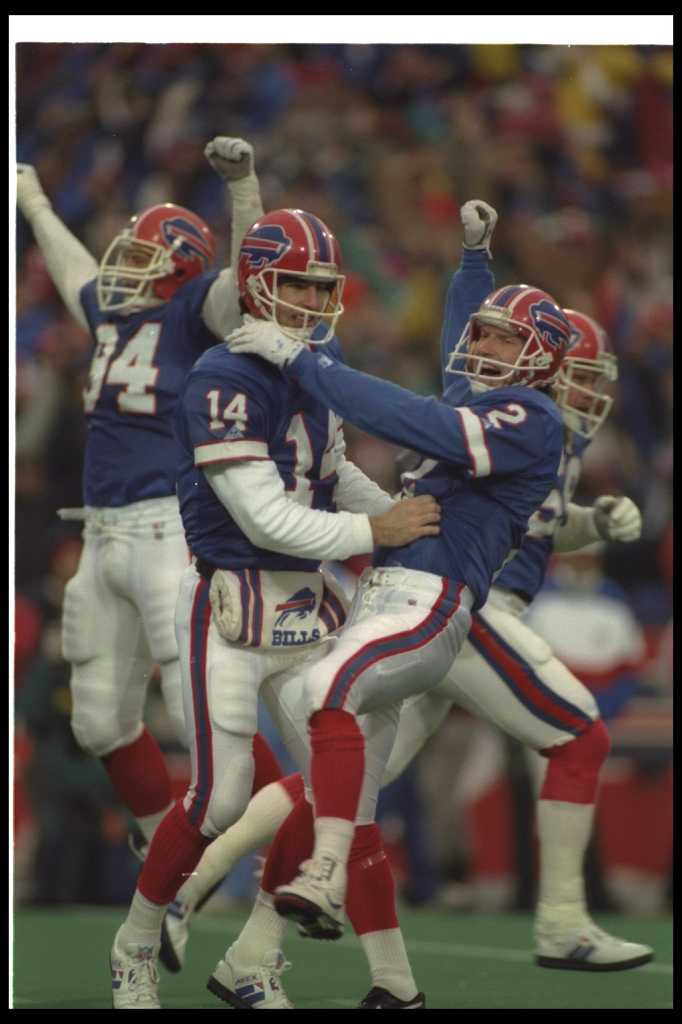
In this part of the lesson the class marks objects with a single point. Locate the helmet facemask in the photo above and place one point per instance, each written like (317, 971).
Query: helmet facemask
(597, 402)
(265, 288)
(127, 271)
(486, 372)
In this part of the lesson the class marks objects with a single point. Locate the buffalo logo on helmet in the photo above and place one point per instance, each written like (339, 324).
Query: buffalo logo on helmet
(184, 238)
(552, 327)
(300, 604)
(265, 245)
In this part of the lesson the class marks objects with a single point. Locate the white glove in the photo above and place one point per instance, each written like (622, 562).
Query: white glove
(479, 220)
(617, 519)
(231, 159)
(265, 339)
(30, 195)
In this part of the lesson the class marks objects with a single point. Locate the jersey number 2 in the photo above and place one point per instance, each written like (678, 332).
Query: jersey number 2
(133, 369)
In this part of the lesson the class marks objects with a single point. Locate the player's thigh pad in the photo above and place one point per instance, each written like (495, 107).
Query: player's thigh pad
(221, 683)
(283, 696)
(158, 564)
(509, 676)
(84, 612)
(402, 635)
(104, 640)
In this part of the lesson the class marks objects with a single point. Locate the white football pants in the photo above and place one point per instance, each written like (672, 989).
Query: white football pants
(507, 675)
(119, 621)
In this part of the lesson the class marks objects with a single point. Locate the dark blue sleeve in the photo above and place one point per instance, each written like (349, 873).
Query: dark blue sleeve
(426, 425)
(469, 286)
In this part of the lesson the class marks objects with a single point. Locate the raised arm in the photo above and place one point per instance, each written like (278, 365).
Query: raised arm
(471, 282)
(233, 161)
(69, 263)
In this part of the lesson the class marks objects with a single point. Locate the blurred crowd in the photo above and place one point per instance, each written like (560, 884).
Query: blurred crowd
(571, 144)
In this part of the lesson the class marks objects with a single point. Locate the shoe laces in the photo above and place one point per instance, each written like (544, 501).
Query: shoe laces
(142, 975)
(276, 961)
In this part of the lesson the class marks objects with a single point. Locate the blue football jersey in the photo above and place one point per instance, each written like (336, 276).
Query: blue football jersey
(524, 574)
(526, 571)
(490, 460)
(239, 407)
(138, 366)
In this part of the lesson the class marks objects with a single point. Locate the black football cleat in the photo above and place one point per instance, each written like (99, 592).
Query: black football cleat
(381, 999)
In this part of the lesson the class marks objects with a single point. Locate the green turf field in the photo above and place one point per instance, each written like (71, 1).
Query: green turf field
(476, 961)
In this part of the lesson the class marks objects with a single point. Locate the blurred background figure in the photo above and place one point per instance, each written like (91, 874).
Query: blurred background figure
(572, 146)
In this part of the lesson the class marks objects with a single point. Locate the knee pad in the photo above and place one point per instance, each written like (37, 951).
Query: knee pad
(100, 721)
(573, 769)
(79, 623)
(99, 738)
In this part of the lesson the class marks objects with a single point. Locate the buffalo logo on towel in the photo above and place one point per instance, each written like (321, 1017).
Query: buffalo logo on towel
(301, 604)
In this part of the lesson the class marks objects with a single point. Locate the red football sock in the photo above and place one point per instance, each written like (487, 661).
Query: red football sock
(174, 853)
(140, 776)
(267, 767)
(370, 898)
(490, 821)
(573, 769)
(292, 844)
(294, 786)
(635, 823)
(338, 763)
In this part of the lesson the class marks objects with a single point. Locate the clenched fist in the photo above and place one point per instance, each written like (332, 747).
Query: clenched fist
(232, 159)
(479, 220)
(617, 519)
(30, 195)
(406, 521)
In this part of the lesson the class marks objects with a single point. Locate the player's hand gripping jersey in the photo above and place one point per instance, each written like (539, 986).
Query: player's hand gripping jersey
(241, 410)
(491, 460)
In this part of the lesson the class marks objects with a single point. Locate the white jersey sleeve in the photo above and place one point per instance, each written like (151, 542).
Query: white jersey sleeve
(221, 312)
(253, 493)
(246, 209)
(69, 263)
(354, 491)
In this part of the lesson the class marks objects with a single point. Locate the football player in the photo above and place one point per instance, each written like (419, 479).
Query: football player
(261, 473)
(506, 673)
(491, 455)
(152, 305)
(514, 681)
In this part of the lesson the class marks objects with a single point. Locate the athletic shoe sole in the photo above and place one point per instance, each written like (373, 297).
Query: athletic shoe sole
(560, 964)
(167, 954)
(312, 921)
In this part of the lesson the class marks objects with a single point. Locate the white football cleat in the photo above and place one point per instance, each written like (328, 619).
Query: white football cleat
(582, 946)
(134, 978)
(315, 898)
(175, 935)
(251, 988)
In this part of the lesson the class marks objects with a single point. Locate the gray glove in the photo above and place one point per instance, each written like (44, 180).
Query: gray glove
(617, 519)
(479, 220)
(30, 195)
(231, 159)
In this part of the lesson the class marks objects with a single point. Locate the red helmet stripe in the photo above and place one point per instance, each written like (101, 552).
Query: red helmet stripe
(307, 232)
